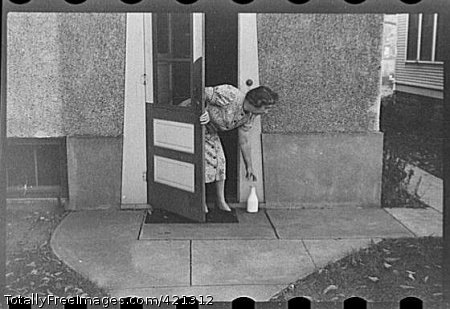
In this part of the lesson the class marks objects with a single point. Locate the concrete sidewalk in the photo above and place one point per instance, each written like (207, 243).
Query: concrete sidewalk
(257, 257)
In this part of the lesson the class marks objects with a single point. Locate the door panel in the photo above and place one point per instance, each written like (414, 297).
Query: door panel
(174, 173)
(174, 135)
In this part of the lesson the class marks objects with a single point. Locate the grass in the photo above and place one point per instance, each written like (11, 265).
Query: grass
(423, 151)
(384, 272)
(419, 144)
(31, 266)
(406, 143)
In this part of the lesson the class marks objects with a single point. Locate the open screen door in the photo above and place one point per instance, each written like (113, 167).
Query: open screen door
(175, 155)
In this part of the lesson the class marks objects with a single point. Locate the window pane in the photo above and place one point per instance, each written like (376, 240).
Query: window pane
(181, 82)
(181, 39)
(426, 40)
(20, 166)
(173, 35)
(162, 32)
(48, 165)
(413, 30)
(439, 40)
(164, 91)
(174, 81)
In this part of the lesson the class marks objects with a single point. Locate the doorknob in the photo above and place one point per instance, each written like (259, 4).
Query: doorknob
(249, 82)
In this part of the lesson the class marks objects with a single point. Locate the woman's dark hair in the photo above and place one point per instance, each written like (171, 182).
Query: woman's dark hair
(261, 95)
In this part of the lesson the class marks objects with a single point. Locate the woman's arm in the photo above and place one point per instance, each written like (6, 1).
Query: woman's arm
(246, 149)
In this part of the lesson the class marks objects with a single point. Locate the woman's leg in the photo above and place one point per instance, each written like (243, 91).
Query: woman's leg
(220, 196)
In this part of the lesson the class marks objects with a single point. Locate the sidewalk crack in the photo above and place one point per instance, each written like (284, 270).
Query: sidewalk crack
(190, 262)
(309, 254)
(142, 224)
(272, 225)
(401, 223)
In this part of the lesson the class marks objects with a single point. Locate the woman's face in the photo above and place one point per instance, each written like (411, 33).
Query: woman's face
(262, 110)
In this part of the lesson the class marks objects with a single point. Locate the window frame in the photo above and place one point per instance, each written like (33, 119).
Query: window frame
(433, 60)
(41, 191)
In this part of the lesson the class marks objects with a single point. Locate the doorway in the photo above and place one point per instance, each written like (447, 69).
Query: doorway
(221, 67)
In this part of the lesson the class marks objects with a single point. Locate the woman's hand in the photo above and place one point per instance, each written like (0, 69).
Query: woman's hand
(250, 174)
(204, 118)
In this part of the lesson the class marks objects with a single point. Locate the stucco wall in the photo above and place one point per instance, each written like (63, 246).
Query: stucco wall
(92, 73)
(66, 74)
(33, 80)
(326, 69)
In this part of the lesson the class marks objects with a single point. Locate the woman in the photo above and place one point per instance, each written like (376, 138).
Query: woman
(227, 108)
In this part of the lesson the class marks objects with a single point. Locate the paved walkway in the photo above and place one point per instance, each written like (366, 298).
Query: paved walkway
(257, 257)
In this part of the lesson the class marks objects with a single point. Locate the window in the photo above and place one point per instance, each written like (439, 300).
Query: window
(172, 58)
(36, 167)
(424, 38)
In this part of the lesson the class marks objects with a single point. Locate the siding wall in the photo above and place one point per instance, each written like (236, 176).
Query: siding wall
(421, 76)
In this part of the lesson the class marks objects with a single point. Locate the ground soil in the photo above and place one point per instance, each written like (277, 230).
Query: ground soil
(31, 266)
(385, 272)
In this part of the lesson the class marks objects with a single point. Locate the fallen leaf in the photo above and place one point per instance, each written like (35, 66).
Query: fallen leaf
(387, 265)
(58, 273)
(373, 279)
(78, 291)
(389, 259)
(67, 288)
(411, 275)
(437, 294)
(32, 264)
(406, 286)
(334, 298)
(331, 287)
(34, 272)
(9, 274)
(426, 279)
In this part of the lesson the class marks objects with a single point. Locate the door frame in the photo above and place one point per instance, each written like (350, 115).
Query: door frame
(139, 89)
(138, 85)
(248, 69)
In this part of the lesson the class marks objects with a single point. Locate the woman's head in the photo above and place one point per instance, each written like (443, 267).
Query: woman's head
(261, 96)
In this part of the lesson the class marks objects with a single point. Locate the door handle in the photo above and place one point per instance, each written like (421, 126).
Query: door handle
(249, 82)
(144, 176)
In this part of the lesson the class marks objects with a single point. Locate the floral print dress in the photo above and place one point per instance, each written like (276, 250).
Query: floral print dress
(224, 104)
